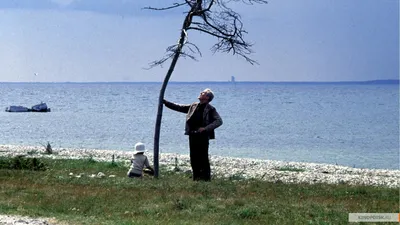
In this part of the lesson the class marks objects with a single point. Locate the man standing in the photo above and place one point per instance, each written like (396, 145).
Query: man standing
(201, 120)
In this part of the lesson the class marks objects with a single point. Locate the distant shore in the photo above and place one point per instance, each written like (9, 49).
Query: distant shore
(238, 168)
(388, 81)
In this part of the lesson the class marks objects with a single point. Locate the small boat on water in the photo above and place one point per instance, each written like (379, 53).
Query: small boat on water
(42, 107)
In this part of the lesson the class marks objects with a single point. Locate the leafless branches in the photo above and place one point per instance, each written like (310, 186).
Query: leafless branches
(188, 51)
(174, 5)
(215, 18)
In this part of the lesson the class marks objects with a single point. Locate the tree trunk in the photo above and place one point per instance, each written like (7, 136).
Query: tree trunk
(159, 114)
(162, 92)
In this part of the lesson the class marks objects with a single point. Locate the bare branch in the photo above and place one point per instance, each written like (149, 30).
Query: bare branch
(209, 6)
(196, 49)
(249, 2)
(216, 19)
(220, 28)
(170, 52)
(206, 31)
(189, 2)
(252, 2)
(185, 55)
(174, 5)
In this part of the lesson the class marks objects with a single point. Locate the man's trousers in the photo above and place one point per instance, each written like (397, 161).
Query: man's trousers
(199, 160)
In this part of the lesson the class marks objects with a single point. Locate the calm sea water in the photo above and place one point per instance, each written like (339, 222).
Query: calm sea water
(346, 124)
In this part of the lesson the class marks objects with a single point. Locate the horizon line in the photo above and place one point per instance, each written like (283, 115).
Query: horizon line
(389, 81)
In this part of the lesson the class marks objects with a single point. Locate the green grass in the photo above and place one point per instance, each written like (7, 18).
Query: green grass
(175, 199)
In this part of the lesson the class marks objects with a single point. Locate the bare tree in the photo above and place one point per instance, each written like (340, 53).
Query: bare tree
(212, 17)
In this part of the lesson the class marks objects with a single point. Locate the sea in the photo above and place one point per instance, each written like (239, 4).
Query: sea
(352, 124)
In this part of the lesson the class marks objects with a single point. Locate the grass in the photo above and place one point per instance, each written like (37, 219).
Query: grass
(174, 198)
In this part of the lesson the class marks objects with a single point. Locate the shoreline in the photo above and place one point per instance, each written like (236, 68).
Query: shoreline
(229, 167)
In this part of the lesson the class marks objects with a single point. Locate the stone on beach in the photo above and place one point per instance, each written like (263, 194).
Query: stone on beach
(234, 168)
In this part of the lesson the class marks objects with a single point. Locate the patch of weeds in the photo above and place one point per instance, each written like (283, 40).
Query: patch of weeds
(90, 160)
(32, 152)
(181, 204)
(116, 165)
(290, 169)
(22, 163)
(205, 191)
(239, 202)
(237, 177)
(358, 191)
(113, 163)
(49, 150)
(176, 168)
(248, 213)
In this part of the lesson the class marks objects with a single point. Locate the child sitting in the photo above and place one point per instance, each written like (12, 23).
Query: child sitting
(139, 163)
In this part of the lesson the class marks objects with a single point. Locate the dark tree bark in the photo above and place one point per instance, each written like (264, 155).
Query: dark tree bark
(212, 17)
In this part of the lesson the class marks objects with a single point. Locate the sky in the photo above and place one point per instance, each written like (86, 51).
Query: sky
(115, 40)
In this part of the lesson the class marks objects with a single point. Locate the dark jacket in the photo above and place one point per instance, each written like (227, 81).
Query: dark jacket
(211, 118)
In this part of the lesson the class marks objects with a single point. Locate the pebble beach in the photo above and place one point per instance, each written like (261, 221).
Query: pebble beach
(227, 167)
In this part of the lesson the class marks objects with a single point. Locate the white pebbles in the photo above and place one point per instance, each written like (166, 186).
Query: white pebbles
(23, 220)
(234, 168)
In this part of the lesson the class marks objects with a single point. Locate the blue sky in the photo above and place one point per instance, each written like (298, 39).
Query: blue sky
(114, 40)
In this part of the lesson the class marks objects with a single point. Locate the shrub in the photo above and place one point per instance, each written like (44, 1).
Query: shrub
(22, 163)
